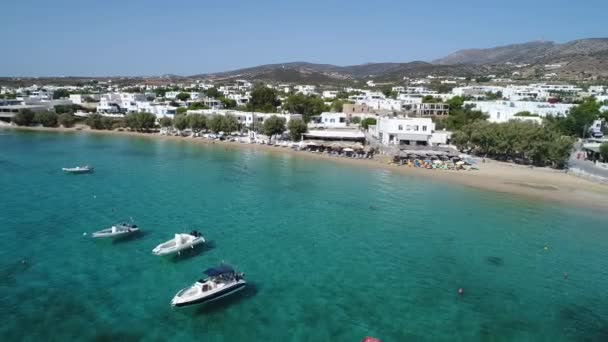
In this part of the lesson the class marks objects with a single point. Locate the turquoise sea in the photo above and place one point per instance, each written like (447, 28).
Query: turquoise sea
(331, 252)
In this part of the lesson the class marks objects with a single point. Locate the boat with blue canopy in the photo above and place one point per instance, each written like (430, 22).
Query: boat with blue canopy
(222, 281)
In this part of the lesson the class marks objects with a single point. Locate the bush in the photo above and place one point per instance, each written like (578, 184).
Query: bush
(95, 121)
(296, 128)
(365, 123)
(46, 119)
(66, 120)
(25, 117)
(604, 151)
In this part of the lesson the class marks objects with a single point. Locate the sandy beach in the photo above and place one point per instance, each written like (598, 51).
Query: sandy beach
(537, 183)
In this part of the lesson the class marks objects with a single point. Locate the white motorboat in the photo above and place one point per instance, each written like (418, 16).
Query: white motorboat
(78, 169)
(117, 230)
(223, 281)
(179, 243)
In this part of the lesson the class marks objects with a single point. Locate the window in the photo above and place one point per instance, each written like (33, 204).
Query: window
(415, 128)
(400, 127)
(424, 128)
(332, 120)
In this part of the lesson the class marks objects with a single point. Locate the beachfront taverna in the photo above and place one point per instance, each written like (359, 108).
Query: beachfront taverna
(405, 131)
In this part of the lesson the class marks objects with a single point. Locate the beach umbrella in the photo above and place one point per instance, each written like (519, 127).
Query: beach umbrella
(460, 163)
(348, 149)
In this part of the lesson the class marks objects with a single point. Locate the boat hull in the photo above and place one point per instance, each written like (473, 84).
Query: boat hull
(165, 252)
(215, 296)
(100, 235)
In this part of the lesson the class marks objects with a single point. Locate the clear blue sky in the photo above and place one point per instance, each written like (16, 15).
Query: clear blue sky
(133, 37)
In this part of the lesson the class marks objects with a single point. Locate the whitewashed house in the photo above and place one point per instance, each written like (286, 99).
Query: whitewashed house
(404, 131)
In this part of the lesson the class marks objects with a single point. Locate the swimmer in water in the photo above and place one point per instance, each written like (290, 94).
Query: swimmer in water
(460, 291)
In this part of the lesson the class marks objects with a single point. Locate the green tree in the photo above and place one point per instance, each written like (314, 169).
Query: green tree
(24, 117)
(464, 116)
(213, 92)
(355, 120)
(66, 120)
(197, 122)
(580, 117)
(604, 151)
(107, 123)
(181, 110)
(183, 96)
(525, 113)
(60, 94)
(160, 92)
(337, 105)
(228, 103)
(181, 122)
(297, 127)
(274, 125)
(46, 118)
(94, 121)
(365, 123)
(455, 103)
(518, 140)
(221, 123)
(196, 106)
(263, 99)
(490, 96)
(165, 121)
(430, 99)
(230, 124)
(141, 121)
(308, 106)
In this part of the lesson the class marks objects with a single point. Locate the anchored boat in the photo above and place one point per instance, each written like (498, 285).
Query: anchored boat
(179, 243)
(78, 169)
(117, 230)
(222, 281)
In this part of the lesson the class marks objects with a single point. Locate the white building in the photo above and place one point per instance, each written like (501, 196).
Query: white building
(331, 120)
(80, 99)
(306, 89)
(503, 111)
(330, 94)
(404, 131)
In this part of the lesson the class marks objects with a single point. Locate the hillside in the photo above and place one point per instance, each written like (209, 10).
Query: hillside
(531, 52)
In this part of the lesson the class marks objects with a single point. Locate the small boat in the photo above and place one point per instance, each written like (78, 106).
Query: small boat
(78, 169)
(179, 243)
(222, 281)
(117, 230)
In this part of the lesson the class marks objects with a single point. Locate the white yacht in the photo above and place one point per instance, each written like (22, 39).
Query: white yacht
(223, 281)
(179, 243)
(117, 230)
(78, 169)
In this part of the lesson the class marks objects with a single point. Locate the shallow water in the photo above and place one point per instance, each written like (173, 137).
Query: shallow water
(331, 252)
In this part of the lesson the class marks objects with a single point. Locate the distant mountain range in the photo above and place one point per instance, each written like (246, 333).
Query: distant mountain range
(527, 52)
(575, 59)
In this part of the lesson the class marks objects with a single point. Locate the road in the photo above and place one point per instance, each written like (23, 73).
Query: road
(587, 166)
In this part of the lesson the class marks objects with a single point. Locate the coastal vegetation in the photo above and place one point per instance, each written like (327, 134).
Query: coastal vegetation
(274, 125)
(24, 117)
(307, 105)
(520, 141)
(180, 122)
(221, 123)
(66, 120)
(46, 119)
(141, 121)
(263, 99)
(297, 127)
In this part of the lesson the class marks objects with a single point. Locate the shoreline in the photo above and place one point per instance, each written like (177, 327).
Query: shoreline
(538, 183)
